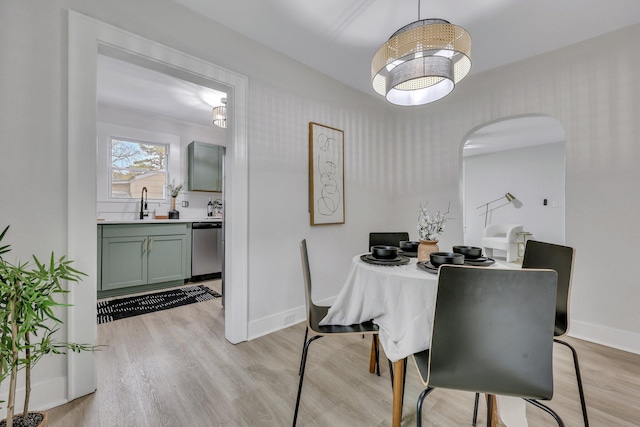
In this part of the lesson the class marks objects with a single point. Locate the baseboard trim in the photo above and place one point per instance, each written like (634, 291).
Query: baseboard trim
(275, 322)
(615, 338)
(44, 395)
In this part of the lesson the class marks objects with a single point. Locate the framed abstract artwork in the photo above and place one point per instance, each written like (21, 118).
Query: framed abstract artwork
(326, 174)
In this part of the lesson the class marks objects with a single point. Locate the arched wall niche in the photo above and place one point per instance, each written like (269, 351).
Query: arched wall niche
(523, 155)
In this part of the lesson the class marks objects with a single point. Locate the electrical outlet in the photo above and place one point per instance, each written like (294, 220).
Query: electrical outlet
(185, 203)
(289, 318)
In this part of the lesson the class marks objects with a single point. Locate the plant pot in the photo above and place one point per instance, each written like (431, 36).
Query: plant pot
(32, 416)
(173, 213)
(425, 248)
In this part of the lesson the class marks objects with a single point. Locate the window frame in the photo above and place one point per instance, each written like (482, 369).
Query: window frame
(110, 168)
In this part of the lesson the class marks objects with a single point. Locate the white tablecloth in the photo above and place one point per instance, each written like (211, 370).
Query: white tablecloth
(401, 301)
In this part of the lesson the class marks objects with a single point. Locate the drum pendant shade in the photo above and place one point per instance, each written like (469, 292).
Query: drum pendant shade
(421, 62)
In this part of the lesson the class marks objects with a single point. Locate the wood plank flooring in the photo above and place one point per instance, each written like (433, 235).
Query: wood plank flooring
(175, 368)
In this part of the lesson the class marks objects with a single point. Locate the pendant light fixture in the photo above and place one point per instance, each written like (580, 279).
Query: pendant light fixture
(421, 62)
(220, 114)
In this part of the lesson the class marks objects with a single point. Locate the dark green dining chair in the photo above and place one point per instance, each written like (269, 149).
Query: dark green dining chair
(559, 258)
(387, 238)
(492, 333)
(315, 314)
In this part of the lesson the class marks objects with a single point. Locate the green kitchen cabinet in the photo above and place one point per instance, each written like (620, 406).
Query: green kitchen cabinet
(205, 167)
(152, 255)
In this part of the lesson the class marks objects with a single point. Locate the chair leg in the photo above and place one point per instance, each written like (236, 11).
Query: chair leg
(374, 358)
(579, 379)
(390, 371)
(547, 410)
(376, 345)
(303, 362)
(404, 378)
(304, 343)
(424, 394)
(475, 410)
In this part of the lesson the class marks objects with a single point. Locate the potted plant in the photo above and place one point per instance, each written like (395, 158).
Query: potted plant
(174, 190)
(429, 228)
(28, 323)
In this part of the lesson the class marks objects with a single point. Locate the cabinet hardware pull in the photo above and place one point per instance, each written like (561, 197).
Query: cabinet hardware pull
(144, 245)
(150, 244)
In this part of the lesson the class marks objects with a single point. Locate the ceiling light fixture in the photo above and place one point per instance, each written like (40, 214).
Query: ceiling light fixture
(421, 62)
(220, 114)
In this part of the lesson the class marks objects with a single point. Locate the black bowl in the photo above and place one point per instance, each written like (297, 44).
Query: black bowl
(384, 252)
(471, 252)
(439, 258)
(409, 246)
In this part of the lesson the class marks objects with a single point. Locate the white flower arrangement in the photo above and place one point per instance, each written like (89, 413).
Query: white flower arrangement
(430, 226)
(174, 190)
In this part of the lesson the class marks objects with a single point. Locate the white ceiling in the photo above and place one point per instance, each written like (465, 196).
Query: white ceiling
(130, 86)
(339, 38)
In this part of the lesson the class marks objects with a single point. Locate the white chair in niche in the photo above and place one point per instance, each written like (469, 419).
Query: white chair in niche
(503, 237)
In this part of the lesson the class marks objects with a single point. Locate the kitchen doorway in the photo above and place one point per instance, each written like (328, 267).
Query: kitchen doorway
(86, 37)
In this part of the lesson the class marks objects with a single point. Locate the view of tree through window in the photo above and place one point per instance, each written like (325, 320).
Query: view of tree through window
(135, 165)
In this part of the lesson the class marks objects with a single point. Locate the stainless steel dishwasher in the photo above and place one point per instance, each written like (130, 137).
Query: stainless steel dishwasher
(206, 250)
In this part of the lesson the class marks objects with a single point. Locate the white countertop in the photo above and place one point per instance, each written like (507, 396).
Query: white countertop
(157, 221)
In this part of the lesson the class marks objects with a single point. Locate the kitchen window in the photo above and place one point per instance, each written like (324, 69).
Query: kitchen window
(136, 164)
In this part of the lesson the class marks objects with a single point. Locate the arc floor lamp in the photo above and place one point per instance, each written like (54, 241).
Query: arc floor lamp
(510, 198)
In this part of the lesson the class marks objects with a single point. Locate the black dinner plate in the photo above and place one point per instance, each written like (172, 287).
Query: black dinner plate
(427, 266)
(399, 260)
(408, 253)
(479, 262)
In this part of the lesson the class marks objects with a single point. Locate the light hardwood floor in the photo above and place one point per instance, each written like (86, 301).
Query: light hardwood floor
(174, 368)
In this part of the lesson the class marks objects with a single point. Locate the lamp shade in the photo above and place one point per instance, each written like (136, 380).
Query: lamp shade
(510, 197)
(421, 62)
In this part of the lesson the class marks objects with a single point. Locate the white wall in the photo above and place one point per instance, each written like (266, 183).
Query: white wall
(531, 174)
(395, 157)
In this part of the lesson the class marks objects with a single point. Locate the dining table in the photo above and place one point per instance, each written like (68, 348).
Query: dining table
(400, 299)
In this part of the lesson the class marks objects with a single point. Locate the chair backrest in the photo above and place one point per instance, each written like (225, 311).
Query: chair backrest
(387, 238)
(502, 230)
(493, 331)
(558, 258)
(306, 273)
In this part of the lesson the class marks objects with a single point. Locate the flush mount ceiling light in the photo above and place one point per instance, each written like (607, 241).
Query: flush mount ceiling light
(220, 114)
(421, 62)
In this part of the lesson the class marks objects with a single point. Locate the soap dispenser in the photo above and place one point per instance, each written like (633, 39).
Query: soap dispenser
(209, 208)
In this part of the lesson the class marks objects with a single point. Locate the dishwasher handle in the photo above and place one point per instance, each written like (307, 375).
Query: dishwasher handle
(204, 225)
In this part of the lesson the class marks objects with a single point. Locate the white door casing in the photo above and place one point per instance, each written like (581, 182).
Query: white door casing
(86, 36)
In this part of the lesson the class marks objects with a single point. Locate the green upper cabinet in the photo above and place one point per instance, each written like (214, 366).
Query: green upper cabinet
(205, 167)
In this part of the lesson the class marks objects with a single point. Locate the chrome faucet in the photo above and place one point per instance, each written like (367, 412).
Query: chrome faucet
(144, 211)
